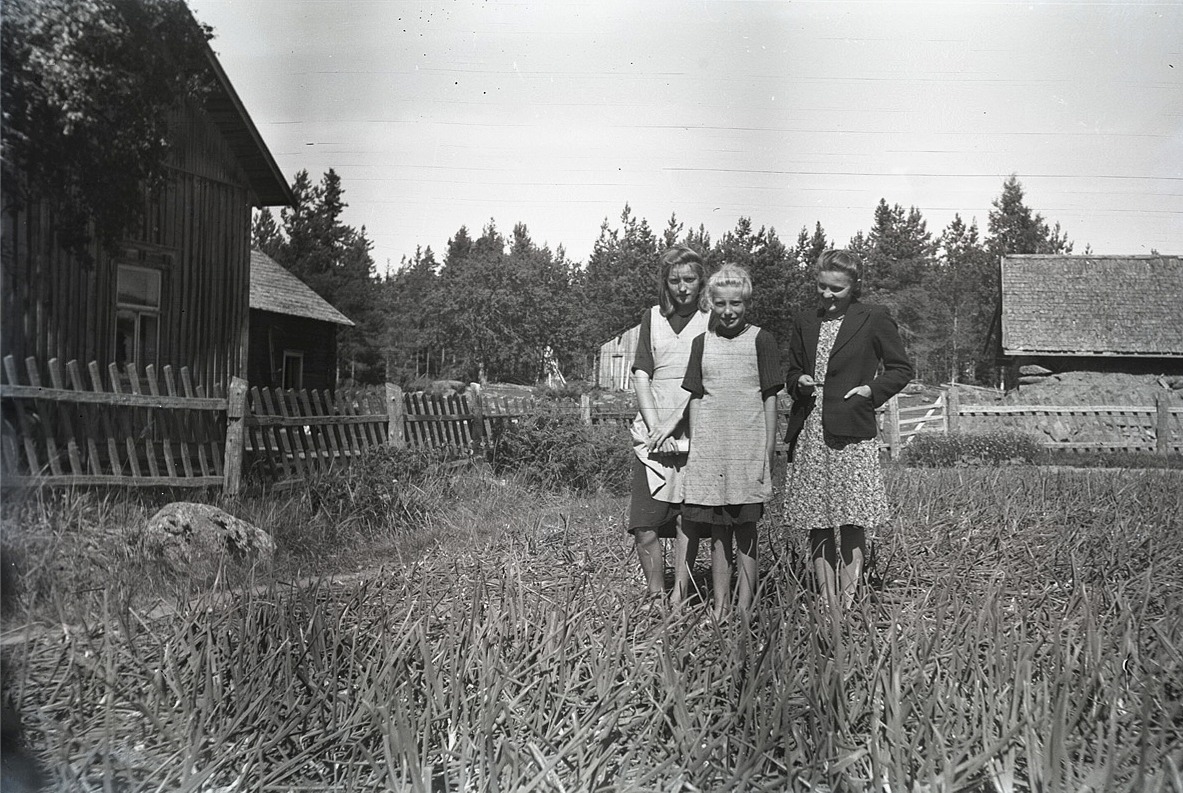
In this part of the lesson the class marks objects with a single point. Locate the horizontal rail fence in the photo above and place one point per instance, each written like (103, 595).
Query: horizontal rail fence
(109, 426)
(1140, 428)
(294, 433)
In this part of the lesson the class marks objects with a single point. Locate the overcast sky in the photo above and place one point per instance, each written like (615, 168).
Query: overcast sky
(555, 114)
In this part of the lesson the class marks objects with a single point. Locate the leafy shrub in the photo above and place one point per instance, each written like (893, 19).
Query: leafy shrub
(384, 489)
(554, 449)
(1001, 447)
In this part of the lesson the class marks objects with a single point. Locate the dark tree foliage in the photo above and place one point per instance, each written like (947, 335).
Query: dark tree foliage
(87, 88)
(1014, 228)
(332, 258)
(495, 303)
(621, 278)
(967, 283)
(779, 285)
(488, 312)
(809, 247)
(414, 334)
(900, 260)
(265, 233)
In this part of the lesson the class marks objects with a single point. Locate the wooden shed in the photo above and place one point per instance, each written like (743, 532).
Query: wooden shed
(1093, 313)
(293, 330)
(614, 366)
(176, 291)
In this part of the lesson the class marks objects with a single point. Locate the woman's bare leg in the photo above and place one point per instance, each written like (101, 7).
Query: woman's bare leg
(721, 568)
(745, 545)
(825, 562)
(652, 561)
(850, 574)
(685, 553)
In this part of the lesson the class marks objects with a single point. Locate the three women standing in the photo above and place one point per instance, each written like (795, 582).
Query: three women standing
(845, 359)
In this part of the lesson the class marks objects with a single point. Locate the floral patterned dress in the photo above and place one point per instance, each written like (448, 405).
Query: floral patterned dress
(833, 480)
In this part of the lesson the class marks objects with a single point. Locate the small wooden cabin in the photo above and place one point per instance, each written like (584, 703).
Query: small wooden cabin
(1092, 313)
(177, 290)
(614, 366)
(293, 330)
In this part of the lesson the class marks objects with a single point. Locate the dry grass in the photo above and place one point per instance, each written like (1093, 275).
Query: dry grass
(1027, 636)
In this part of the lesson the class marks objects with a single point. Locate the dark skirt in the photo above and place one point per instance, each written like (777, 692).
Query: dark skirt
(647, 513)
(726, 515)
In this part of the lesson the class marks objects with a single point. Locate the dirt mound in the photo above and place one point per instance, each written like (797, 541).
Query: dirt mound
(1093, 388)
(1134, 429)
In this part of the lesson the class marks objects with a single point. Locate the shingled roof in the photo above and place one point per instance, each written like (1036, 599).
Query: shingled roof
(1092, 305)
(275, 289)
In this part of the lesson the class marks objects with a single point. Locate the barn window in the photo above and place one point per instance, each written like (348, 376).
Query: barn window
(293, 369)
(137, 316)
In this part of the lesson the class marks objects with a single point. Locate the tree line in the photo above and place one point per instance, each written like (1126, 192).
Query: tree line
(492, 306)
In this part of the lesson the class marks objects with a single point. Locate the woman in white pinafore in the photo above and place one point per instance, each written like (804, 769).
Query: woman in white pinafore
(659, 431)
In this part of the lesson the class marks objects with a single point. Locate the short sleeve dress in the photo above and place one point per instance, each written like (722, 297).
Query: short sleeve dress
(662, 353)
(727, 479)
(833, 480)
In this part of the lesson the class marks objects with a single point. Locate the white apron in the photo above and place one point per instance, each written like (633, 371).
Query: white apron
(671, 354)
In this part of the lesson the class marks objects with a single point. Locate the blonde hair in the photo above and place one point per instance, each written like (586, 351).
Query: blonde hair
(727, 275)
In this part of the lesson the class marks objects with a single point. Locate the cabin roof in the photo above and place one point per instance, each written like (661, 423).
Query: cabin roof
(275, 289)
(1092, 305)
(228, 114)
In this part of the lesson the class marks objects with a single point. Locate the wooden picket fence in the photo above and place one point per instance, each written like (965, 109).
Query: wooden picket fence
(65, 425)
(110, 426)
(120, 426)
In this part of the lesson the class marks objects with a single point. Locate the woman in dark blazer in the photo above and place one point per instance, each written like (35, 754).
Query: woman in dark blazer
(846, 358)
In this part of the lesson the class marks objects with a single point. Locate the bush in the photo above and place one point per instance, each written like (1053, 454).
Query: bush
(555, 450)
(382, 490)
(1001, 447)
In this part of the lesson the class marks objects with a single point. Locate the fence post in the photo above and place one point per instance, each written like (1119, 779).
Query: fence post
(235, 435)
(893, 426)
(952, 410)
(396, 431)
(476, 404)
(1162, 429)
(585, 408)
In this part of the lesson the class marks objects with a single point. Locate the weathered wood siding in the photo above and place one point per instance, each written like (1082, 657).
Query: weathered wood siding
(272, 333)
(196, 233)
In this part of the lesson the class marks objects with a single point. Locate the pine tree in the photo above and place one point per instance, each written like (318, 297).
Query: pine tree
(779, 286)
(265, 233)
(621, 279)
(334, 260)
(968, 285)
(1015, 228)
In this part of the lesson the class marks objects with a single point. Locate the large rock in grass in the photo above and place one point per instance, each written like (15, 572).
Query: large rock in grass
(197, 539)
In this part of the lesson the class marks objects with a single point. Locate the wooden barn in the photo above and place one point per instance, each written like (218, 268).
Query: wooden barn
(176, 292)
(614, 366)
(293, 330)
(1092, 313)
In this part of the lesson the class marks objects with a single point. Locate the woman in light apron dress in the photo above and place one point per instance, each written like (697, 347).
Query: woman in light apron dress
(659, 431)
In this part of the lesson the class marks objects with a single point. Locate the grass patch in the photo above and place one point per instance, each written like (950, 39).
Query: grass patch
(1025, 636)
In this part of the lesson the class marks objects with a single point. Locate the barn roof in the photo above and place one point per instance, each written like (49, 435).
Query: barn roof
(1092, 305)
(228, 114)
(275, 289)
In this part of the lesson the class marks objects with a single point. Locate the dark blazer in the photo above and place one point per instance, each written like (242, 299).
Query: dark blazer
(868, 337)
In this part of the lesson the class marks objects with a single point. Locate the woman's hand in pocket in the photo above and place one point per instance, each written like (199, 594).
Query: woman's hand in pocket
(862, 390)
